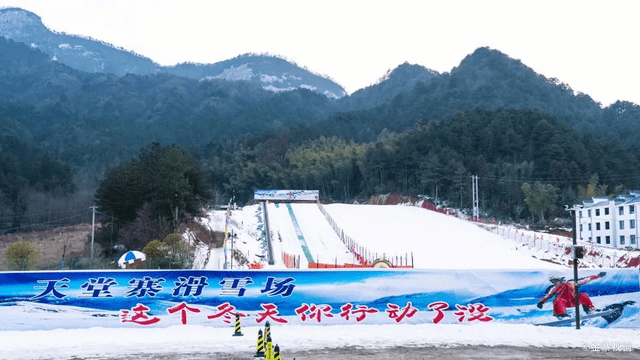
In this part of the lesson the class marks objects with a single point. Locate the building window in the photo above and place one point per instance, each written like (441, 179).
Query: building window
(597, 226)
(632, 209)
(621, 239)
(598, 239)
(589, 226)
(632, 239)
(589, 213)
(632, 224)
(621, 224)
(606, 225)
(580, 212)
(607, 239)
(580, 227)
(597, 212)
(621, 210)
(606, 211)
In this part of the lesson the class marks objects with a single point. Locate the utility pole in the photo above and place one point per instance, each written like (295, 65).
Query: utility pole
(474, 192)
(93, 232)
(175, 218)
(231, 250)
(572, 211)
(64, 252)
(110, 250)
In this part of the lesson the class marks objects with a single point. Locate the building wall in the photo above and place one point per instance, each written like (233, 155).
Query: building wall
(596, 222)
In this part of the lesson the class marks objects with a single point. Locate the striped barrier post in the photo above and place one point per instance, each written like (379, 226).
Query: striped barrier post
(237, 330)
(267, 330)
(268, 349)
(276, 353)
(260, 346)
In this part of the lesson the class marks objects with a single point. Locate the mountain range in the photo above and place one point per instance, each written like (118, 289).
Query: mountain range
(74, 109)
(89, 102)
(94, 56)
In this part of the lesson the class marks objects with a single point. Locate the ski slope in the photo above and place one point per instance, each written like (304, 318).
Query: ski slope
(324, 244)
(283, 234)
(437, 241)
(434, 240)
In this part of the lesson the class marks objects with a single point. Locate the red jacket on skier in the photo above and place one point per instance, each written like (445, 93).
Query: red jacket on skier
(565, 293)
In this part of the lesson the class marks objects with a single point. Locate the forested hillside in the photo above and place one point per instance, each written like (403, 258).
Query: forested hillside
(27, 175)
(486, 79)
(416, 131)
(96, 120)
(504, 147)
(402, 79)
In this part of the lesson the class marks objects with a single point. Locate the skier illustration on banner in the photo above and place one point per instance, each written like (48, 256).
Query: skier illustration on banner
(565, 295)
(565, 292)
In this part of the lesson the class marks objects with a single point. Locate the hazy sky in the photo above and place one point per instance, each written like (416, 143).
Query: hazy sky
(593, 46)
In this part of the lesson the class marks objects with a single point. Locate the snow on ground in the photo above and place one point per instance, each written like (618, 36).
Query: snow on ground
(554, 248)
(324, 244)
(437, 241)
(190, 339)
(244, 225)
(283, 234)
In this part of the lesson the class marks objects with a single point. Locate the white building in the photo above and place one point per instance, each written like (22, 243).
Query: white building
(609, 222)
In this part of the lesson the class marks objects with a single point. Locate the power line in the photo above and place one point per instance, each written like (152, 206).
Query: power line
(77, 211)
(574, 180)
(43, 223)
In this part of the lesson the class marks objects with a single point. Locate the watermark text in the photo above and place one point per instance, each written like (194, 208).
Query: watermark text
(608, 346)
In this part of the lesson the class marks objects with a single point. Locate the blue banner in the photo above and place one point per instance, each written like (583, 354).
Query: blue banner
(286, 195)
(129, 298)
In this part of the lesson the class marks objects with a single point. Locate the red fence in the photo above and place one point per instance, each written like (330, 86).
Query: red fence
(429, 206)
(291, 261)
(350, 266)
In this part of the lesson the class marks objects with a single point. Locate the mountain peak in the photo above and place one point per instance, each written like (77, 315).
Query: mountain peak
(401, 79)
(94, 56)
(487, 66)
(273, 73)
(484, 57)
(408, 71)
(15, 20)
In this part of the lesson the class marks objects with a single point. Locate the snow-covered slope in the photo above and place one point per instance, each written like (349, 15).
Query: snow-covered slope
(283, 234)
(272, 73)
(324, 245)
(437, 241)
(434, 240)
